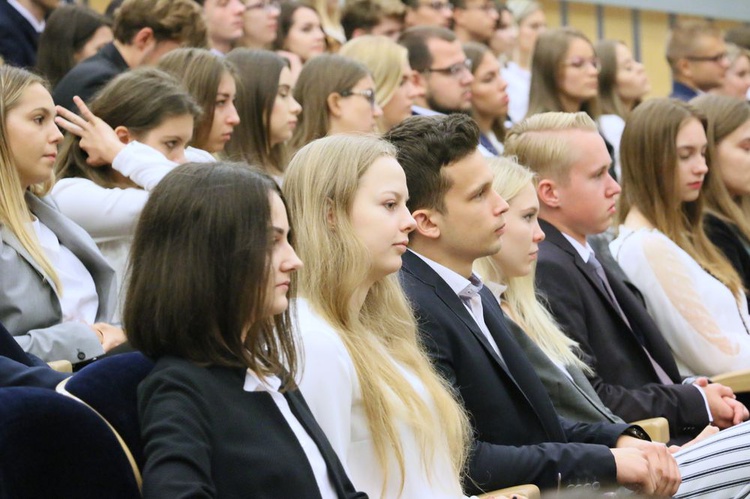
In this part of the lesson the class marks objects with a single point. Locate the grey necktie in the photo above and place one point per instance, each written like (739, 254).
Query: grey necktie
(594, 264)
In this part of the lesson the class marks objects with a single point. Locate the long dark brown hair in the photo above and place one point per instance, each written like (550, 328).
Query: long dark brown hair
(199, 268)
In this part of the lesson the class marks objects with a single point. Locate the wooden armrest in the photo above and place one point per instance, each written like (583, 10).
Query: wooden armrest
(738, 381)
(528, 490)
(657, 428)
(62, 366)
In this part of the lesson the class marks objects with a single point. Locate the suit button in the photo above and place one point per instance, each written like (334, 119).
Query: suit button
(81, 355)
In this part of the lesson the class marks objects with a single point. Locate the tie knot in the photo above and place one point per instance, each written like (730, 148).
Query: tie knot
(593, 261)
(470, 292)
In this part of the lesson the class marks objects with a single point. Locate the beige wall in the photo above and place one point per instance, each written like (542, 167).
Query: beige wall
(618, 24)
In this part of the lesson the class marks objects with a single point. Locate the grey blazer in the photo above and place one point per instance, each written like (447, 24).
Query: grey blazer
(573, 399)
(29, 302)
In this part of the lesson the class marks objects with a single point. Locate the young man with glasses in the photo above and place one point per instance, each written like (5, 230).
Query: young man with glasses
(428, 13)
(697, 55)
(475, 20)
(261, 22)
(225, 23)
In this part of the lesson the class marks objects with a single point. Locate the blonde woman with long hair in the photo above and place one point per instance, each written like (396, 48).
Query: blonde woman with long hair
(389, 64)
(392, 420)
(56, 291)
(691, 289)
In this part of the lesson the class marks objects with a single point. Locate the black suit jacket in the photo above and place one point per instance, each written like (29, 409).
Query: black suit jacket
(205, 436)
(88, 77)
(17, 368)
(18, 38)
(625, 378)
(519, 438)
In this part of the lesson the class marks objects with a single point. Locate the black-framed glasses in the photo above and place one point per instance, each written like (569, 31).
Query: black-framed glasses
(367, 93)
(436, 5)
(454, 70)
(708, 58)
(266, 5)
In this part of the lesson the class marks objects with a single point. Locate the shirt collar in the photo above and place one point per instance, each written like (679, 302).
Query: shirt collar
(583, 251)
(35, 23)
(254, 384)
(455, 281)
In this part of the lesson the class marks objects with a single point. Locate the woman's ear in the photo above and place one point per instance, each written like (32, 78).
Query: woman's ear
(330, 214)
(334, 104)
(124, 135)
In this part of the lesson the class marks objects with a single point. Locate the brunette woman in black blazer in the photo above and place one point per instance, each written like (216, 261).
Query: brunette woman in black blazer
(220, 413)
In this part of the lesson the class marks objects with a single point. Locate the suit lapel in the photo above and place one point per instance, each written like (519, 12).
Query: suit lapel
(11, 240)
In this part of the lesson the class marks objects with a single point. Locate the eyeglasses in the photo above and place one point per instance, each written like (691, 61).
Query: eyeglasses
(367, 93)
(437, 5)
(709, 58)
(267, 5)
(580, 62)
(454, 70)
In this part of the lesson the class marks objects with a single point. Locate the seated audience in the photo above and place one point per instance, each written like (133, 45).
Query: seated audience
(509, 274)
(441, 68)
(504, 39)
(373, 17)
(697, 57)
(72, 34)
(531, 22)
(267, 109)
(564, 74)
(474, 20)
(144, 30)
(224, 23)
(489, 97)
(694, 294)
(337, 95)
(211, 80)
(428, 13)
(21, 23)
(630, 363)
(220, 413)
(388, 62)
(57, 291)
(622, 84)
(518, 436)
(737, 78)
(725, 199)
(392, 421)
(261, 21)
(136, 131)
(299, 31)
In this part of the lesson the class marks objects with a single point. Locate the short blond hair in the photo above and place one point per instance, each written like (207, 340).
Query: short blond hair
(537, 143)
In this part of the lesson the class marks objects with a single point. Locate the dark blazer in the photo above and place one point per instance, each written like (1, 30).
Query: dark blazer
(205, 436)
(625, 378)
(735, 247)
(18, 38)
(518, 436)
(682, 92)
(17, 368)
(88, 77)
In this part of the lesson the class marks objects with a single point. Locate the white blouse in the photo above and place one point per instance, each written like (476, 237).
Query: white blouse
(331, 388)
(703, 323)
(519, 86)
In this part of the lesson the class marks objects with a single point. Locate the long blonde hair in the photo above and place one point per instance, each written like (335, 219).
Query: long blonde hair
(648, 154)
(14, 212)
(320, 185)
(520, 296)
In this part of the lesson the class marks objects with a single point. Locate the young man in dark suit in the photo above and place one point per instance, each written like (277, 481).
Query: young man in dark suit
(519, 438)
(21, 23)
(144, 31)
(635, 374)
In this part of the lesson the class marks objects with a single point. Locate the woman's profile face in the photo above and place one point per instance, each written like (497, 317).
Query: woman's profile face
(101, 37)
(225, 115)
(398, 107)
(357, 109)
(580, 70)
(285, 112)
(170, 137)
(691, 159)
(305, 37)
(529, 30)
(733, 158)
(631, 78)
(488, 90)
(284, 260)
(522, 234)
(32, 135)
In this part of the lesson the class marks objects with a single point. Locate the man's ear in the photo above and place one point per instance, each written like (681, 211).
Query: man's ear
(548, 193)
(124, 134)
(427, 223)
(143, 39)
(334, 104)
(684, 68)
